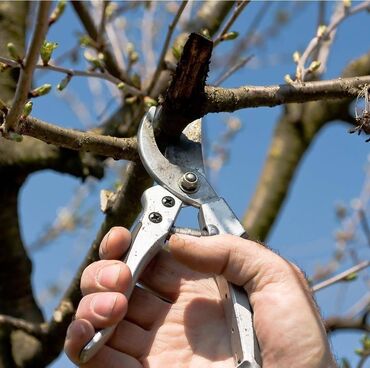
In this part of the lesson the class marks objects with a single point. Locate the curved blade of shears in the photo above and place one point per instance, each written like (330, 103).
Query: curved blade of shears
(183, 157)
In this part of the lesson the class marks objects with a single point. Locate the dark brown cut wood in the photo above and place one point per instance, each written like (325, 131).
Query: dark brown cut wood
(185, 96)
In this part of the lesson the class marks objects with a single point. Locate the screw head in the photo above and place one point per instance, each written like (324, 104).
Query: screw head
(189, 182)
(168, 201)
(155, 217)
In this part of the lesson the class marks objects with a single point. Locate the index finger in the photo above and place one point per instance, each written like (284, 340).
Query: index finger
(115, 243)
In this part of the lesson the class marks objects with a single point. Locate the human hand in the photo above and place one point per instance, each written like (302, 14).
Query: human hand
(190, 330)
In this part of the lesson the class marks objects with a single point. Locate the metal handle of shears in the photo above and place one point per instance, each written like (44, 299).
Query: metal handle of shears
(160, 209)
(217, 216)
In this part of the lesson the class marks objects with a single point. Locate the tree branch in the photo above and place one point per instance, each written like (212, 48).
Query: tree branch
(231, 99)
(186, 92)
(25, 78)
(343, 323)
(78, 73)
(34, 329)
(171, 28)
(327, 33)
(88, 23)
(118, 148)
(237, 11)
(294, 132)
(341, 276)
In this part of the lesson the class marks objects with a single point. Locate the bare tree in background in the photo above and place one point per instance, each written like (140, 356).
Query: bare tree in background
(137, 76)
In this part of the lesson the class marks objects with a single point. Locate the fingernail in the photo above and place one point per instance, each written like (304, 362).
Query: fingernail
(109, 275)
(103, 306)
(76, 329)
(103, 248)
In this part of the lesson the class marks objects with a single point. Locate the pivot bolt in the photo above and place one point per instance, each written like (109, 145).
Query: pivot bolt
(189, 182)
(155, 217)
(168, 201)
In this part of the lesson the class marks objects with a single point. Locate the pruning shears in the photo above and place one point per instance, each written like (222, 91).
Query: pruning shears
(181, 181)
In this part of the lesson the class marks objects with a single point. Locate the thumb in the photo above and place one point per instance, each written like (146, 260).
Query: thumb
(242, 262)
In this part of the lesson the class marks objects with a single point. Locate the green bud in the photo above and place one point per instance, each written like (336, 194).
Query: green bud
(121, 85)
(288, 79)
(27, 108)
(131, 100)
(351, 277)
(230, 36)
(13, 51)
(110, 9)
(86, 41)
(366, 342)
(176, 52)
(96, 62)
(347, 3)
(136, 80)
(46, 51)
(149, 102)
(57, 12)
(4, 67)
(64, 82)
(130, 47)
(359, 352)
(15, 137)
(321, 30)
(134, 57)
(315, 65)
(205, 32)
(296, 56)
(41, 91)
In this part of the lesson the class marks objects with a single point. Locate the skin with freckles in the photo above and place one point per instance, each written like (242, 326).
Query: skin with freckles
(188, 330)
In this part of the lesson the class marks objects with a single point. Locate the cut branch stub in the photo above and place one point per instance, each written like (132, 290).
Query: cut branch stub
(185, 96)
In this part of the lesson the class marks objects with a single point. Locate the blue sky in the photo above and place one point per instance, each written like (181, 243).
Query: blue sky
(332, 171)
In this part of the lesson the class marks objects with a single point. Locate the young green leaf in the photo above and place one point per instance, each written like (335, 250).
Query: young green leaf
(41, 91)
(27, 109)
(46, 51)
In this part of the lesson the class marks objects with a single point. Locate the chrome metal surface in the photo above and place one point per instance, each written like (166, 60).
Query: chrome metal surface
(238, 312)
(185, 156)
(147, 239)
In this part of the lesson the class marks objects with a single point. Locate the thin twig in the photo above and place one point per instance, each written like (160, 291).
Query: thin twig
(238, 9)
(78, 73)
(244, 41)
(33, 329)
(101, 29)
(170, 31)
(88, 22)
(365, 225)
(233, 69)
(25, 78)
(340, 276)
(315, 42)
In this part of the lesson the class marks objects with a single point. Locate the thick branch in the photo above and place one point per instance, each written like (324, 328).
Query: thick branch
(186, 91)
(25, 78)
(34, 329)
(231, 99)
(118, 148)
